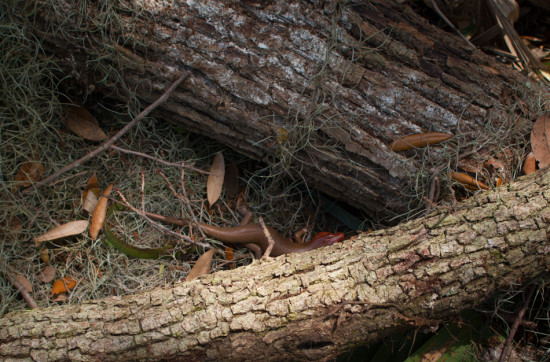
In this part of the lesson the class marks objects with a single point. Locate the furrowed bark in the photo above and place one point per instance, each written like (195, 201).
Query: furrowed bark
(322, 86)
(315, 305)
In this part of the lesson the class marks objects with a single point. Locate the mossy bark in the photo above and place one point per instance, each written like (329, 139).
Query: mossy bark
(320, 87)
(315, 305)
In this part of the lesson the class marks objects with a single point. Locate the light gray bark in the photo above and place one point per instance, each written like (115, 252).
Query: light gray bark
(341, 80)
(315, 305)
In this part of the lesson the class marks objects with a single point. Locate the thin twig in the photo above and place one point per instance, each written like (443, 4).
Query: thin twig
(105, 146)
(21, 289)
(270, 241)
(183, 198)
(160, 226)
(144, 155)
(451, 25)
(508, 344)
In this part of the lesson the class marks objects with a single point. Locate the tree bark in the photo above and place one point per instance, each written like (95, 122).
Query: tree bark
(320, 88)
(315, 305)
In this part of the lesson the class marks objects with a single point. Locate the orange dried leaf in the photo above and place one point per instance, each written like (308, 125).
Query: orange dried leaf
(530, 164)
(61, 231)
(419, 140)
(229, 255)
(468, 181)
(24, 282)
(28, 173)
(215, 179)
(202, 266)
(98, 217)
(540, 140)
(498, 181)
(63, 285)
(47, 274)
(82, 122)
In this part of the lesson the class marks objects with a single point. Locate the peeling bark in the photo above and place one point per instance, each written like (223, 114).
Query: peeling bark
(341, 79)
(315, 305)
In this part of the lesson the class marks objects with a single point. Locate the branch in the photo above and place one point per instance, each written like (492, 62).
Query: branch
(105, 146)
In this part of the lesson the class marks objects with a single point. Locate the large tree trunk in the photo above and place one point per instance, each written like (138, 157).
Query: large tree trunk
(311, 306)
(323, 87)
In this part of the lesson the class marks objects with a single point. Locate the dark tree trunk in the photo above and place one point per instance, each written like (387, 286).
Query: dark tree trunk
(315, 305)
(322, 88)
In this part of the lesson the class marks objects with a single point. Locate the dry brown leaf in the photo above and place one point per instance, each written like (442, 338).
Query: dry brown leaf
(229, 256)
(82, 122)
(530, 164)
(24, 282)
(61, 231)
(98, 217)
(12, 227)
(45, 256)
(90, 194)
(202, 266)
(60, 298)
(215, 179)
(540, 140)
(90, 203)
(29, 172)
(63, 285)
(47, 274)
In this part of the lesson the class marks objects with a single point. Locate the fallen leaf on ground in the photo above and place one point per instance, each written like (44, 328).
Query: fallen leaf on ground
(82, 122)
(60, 298)
(202, 266)
(98, 217)
(90, 195)
(419, 140)
(540, 140)
(530, 164)
(63, 285)
(29, 172)
(47, 274)
(45, 256)
(24, 282)
(61, 231)
(468, 181)
(215, 179)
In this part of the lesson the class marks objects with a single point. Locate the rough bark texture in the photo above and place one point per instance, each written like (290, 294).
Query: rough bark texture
(315, 305)
(324, 86)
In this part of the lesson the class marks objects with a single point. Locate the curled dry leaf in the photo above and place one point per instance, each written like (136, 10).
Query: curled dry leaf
(98, 217)
(60, 298)
(540, 140)
(28, 173)
(82, 122)
(469, 182)
(45, 256)
(530, 164)
(24, 282)
(229, 256)
(419, 140)
(215, 179)
(63, 285)
(61, 231)
(202, 266)
(47, 274)
(90, 194)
